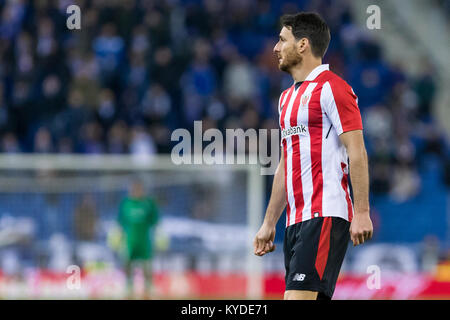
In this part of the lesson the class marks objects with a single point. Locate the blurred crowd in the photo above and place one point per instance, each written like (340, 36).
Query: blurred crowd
(445, 5)
(137, 70)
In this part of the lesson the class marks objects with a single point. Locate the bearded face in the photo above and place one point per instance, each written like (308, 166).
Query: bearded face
(286, 52)
(289, 59)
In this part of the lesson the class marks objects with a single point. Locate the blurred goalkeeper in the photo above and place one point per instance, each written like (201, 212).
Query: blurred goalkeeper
(138, 216)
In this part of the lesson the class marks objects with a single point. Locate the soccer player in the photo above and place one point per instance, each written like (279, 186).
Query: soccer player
(322, 141)
(138, 215)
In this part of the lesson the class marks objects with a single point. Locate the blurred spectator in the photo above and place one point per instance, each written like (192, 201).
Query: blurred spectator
(69, 121)
(10, 144)
(51, 98)
(107, 108)
(156, 104)
(141, 142)
(239, 79)
(53, 221)
(23, 54)
(109, 51)
(91, 138)
(11, 18)
(118, 138)
(46, 44)
(425, 88)
(65, 145)
(406, 181)
(43, 141)
(199, 81)
(60, 253)
(85, 219)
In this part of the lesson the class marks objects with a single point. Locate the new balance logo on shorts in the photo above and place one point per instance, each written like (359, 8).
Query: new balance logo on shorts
(299, 277)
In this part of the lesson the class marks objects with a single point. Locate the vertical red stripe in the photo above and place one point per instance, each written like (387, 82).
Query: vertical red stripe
(281, 103)
(283, 111)
(344, 184)
(296, 158)
(315, 126)
(282, 116)
(324, 246)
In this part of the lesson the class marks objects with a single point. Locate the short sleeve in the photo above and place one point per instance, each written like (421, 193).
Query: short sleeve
(340, 104)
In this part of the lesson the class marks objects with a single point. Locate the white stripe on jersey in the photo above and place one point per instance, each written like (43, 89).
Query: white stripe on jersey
(327, 97)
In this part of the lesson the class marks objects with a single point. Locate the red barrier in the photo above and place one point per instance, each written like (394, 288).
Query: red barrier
(110, 283)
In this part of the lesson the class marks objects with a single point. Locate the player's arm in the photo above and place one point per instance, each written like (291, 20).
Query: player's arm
(341, 106)
(361, 228)
(263, 242)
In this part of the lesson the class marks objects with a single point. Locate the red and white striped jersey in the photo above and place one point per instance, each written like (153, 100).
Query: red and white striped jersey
(312, 116)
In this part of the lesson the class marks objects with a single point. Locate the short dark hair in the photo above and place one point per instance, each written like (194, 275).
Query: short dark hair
(309, 25)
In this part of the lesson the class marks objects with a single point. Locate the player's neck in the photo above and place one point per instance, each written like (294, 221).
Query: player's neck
(301, 71)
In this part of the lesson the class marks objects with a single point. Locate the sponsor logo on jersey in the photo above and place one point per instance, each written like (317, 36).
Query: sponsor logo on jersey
(301, 129)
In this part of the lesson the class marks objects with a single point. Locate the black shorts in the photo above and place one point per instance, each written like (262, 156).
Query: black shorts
(313, 254)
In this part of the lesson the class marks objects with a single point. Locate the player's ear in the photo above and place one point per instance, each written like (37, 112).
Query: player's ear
(302, 45)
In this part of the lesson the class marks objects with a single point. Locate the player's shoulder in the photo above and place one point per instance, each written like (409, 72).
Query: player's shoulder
(334, 80)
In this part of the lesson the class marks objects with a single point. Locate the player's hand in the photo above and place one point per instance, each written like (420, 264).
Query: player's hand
(361, 228)
(263, 242)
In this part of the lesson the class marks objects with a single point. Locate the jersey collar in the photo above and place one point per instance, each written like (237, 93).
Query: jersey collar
(318, 70)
